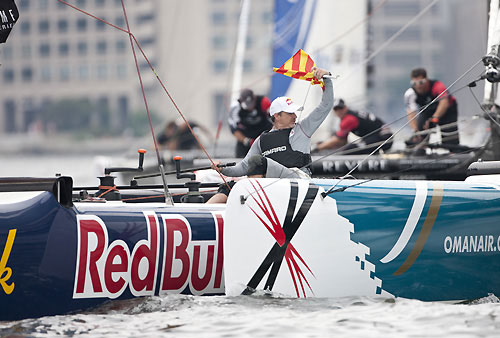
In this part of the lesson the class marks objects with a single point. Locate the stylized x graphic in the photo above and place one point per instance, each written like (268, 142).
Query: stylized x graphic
(283, 235)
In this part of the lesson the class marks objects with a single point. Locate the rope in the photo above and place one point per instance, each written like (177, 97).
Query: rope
(132, 37)
(390, 139)
(409, 121)
(270, 74)
(398, 172)
(488, 114)
(305, 99)
(341, 36)
(392, 38)
(108, 190)
(353, 27)
(180, 113)
(423, 132)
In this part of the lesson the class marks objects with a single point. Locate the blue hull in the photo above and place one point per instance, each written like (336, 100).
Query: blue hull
(54, 266)
(456, 257)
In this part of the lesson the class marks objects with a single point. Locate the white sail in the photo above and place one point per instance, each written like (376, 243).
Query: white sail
(315, 27)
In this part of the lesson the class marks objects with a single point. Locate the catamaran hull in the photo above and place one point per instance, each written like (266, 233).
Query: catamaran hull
(56, 259)
(412, 239)
(427, 240)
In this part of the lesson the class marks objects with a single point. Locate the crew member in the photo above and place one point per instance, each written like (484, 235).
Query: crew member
(284, 151)
(365, 125)
(249, 119)
(442, 112)
(177, 136)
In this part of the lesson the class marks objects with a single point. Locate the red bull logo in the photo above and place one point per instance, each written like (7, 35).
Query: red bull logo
(5, 271)
(106, 269)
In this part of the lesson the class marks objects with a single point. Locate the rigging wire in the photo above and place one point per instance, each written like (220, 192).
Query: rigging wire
(132, 36)
(227, 104)
(434, 161)
(335, 40)
(392, 38)
(168, 197)
(390, 138)
(270, 74)
(343, 188)
(488, 114)
(409, 121)
(352, 28)
(371, 56)
(179, 111)
(422, 132)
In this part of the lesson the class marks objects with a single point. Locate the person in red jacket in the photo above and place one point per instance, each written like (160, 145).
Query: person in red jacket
(249, 119)
(370, 128)
(443, 112)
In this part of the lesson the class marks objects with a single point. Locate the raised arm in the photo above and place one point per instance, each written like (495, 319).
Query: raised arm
(312, 122)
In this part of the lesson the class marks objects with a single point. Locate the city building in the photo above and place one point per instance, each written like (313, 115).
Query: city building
(447, 39)
(57, 53)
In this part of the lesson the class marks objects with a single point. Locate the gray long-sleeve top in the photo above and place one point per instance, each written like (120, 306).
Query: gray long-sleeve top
(300, 136)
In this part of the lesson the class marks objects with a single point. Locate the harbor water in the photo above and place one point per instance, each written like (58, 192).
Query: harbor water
(269, 316)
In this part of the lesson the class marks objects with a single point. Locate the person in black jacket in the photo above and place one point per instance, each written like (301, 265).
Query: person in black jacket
(365, 125)
(249, 119)
(177, 136)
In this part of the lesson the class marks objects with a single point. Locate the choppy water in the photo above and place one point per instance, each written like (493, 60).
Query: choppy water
(270, 316)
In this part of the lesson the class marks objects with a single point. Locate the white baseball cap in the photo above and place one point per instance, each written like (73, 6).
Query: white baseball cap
(283, 103)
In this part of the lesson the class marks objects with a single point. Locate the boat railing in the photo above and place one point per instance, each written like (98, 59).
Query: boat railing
(60, 186)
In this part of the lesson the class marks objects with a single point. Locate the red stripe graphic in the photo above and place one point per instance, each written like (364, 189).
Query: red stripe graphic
(276, 230)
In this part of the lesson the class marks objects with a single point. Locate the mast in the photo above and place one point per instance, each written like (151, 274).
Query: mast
(491, 60)
(240, 49)
(492, 74)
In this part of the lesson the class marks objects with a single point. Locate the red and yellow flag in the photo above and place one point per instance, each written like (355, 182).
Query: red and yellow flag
(299, 67)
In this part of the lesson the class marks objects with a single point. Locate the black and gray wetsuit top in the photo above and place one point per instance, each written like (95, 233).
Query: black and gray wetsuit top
(276, 146)
(299, 136)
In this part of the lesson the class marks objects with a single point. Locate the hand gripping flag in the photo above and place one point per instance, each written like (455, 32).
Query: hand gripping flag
(299, 67)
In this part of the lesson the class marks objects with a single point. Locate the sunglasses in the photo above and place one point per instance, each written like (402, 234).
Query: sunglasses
(418, 82)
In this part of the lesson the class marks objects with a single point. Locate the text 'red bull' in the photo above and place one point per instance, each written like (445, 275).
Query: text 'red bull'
(106, 269)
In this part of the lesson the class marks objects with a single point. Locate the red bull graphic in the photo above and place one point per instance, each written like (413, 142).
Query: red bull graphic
(169, 253)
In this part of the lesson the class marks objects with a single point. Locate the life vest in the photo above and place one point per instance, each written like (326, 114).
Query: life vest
(368, 122)
(254, 122)
(423, 99)
(276, 145)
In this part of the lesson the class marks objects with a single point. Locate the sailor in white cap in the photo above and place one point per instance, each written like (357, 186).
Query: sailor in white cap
(285, 150)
